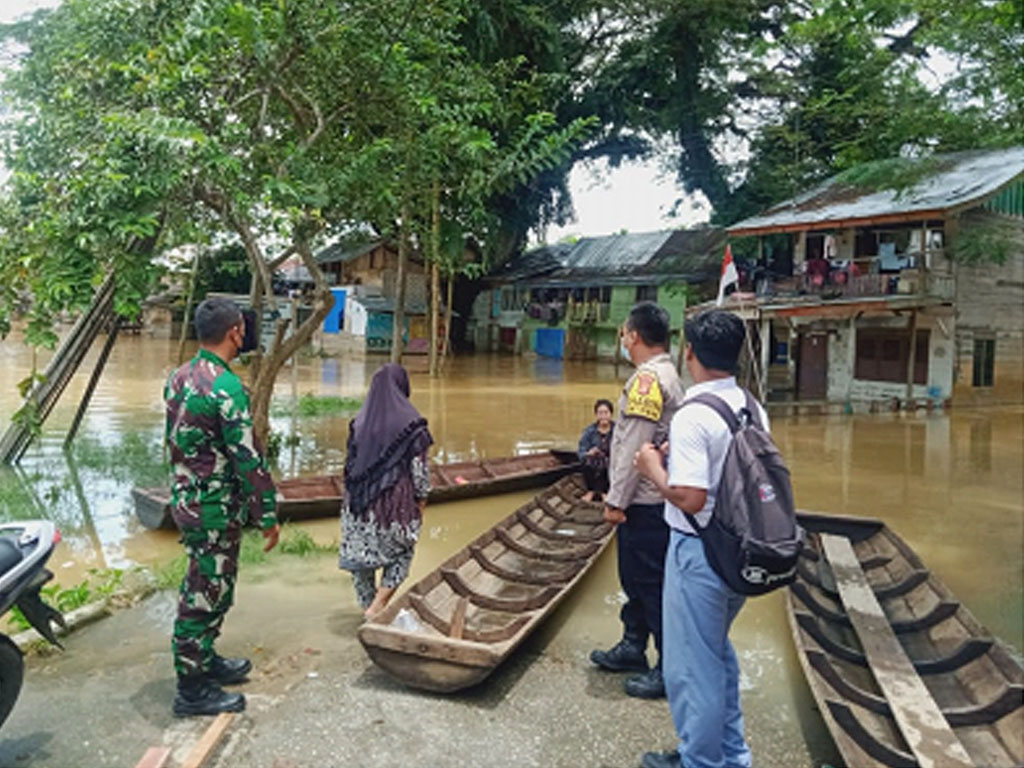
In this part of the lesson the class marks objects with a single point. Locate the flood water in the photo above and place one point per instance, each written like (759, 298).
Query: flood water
(951, 484)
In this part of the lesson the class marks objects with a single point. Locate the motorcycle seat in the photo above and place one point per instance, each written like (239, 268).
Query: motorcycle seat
(10, 554)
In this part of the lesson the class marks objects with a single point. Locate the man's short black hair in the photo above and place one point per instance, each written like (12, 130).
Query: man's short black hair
(214, 318)
(651, 324)
(717, 338)
(604, 402)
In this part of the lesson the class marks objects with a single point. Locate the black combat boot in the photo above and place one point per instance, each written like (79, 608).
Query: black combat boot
(227, 671)
(199, 696)
(624, 656)
(648, 685)
(662, 760)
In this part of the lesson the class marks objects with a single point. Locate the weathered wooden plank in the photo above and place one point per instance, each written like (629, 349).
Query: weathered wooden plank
(155, 757)
(459, 617)
(918, 716)
(209, 740)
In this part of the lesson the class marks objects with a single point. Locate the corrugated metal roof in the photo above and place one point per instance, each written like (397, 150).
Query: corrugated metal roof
(341, 252)
(539, 261)
(637, 258)
(960, 179)
(615, 253)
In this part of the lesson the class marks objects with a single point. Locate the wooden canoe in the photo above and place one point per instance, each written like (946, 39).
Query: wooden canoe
(450, 630)
(902, 673)
(303, 498)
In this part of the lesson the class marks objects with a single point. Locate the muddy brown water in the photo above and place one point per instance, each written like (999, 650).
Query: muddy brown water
(952, 484)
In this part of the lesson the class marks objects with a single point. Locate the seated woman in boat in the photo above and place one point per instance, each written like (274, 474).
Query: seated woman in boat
(594, 449)
(387, 479)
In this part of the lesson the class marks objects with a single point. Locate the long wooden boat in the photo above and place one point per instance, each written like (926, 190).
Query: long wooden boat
(902, 672)
(450, 630)
(303, 498)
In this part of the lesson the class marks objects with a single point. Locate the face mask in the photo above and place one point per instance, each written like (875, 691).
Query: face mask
(624, 351)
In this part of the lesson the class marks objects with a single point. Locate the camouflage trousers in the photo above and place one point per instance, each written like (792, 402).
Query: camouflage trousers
(206, 593)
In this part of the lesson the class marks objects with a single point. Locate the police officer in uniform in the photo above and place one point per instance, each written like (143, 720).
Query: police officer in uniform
(220, 483)
(647, 404)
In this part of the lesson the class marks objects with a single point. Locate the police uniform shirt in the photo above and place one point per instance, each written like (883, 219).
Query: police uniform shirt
(698, 441)
(649, 400)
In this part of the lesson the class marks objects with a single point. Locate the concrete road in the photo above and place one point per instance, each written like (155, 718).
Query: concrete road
(315, 699)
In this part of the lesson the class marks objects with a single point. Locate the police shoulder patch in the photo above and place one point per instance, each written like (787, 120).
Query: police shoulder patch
(643, 397)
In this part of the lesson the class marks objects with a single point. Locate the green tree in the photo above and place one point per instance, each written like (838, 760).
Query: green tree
(137, 127)
(764, 97)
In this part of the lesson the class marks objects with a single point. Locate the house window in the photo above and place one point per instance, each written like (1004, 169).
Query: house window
(882, 355)
(984, 362)
(646, 293)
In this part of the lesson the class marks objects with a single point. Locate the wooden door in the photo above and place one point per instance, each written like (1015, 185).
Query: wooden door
(812, 370)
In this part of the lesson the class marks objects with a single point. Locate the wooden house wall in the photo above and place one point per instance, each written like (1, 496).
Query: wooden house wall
(990, 305)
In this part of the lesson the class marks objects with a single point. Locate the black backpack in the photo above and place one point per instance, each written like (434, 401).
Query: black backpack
(753, 540)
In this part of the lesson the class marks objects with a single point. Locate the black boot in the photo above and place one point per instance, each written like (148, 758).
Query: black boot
(649, 685)
(662, 760)
(199, 696)
(227, 671)
(624, 656)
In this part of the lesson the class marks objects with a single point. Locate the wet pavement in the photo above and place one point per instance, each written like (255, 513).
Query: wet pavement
(949, 483)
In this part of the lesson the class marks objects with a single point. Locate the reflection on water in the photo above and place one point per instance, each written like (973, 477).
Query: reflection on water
(950, 484)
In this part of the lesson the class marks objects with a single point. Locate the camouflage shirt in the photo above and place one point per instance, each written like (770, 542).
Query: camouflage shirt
(220, 477)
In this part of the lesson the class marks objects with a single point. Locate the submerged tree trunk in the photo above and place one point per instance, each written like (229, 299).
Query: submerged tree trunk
(283, 349)
(189, 302)
(435, 279)
(448, 316)
(398, 328)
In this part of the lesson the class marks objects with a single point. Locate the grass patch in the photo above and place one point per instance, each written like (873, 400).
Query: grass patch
(99, 585)
(294, 542)
(310, 405)
(169, 575)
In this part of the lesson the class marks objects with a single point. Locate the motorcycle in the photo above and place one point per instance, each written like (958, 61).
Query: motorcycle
(24, 549)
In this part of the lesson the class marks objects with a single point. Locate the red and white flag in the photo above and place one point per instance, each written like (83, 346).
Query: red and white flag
(729, 274)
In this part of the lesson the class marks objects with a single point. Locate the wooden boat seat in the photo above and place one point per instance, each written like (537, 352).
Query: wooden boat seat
(966, 652)
(596, 534)
(919, 718)
(543, 577)
(464, 632)
(941, 611)
(567, 554)
(821, 577)
(531, 602)
(1004, 702)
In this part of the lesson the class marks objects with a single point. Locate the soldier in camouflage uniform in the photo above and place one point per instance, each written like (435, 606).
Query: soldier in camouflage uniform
(220, 483)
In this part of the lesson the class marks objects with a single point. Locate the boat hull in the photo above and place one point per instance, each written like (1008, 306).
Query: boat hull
(971, 678)
(320, 496)
(454, 627)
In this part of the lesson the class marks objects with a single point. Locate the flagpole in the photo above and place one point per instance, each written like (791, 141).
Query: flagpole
(729, 271)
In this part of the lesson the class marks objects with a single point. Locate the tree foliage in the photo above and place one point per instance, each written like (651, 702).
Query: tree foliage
(138, 126)
(764, 97)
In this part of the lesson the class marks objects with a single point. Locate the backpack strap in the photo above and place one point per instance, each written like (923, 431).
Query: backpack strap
(719, 406)
(753, 410)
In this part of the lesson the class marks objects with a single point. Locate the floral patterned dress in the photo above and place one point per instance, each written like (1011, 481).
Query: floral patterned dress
(378, 540)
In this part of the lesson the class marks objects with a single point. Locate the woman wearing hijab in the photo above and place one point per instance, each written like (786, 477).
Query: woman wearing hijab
(387, 479)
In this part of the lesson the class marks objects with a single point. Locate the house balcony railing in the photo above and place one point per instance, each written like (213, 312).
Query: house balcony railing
(588, 312)
(860, 278)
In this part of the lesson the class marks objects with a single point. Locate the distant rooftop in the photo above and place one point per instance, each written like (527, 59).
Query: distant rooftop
(959, 180)
(636, 258)
(345, 252)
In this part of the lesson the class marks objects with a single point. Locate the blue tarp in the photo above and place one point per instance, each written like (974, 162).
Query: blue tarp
(551, 342)
(335, 319)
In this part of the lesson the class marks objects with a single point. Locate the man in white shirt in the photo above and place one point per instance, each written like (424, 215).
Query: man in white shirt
(700, 669)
